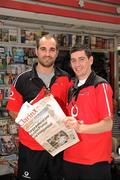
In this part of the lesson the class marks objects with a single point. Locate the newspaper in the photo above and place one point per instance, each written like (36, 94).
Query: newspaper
(44, 121)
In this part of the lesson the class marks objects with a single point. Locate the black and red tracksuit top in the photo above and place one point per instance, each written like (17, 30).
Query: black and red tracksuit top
(94, 103)
(27, 86)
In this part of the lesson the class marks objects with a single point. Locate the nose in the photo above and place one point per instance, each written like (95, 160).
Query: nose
(77, 63)
(47, 52)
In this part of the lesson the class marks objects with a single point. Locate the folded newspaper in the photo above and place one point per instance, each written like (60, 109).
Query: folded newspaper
(44, 121)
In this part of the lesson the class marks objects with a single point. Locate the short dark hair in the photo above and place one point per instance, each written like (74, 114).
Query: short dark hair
(81, 47)
(46, 36)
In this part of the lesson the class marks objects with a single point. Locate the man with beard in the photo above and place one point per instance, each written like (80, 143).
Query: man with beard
(34, 161)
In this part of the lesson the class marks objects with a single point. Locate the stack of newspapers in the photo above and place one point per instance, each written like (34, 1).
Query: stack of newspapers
(44, 121)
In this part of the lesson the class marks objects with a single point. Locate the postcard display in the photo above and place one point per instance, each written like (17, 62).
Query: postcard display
(17, 54)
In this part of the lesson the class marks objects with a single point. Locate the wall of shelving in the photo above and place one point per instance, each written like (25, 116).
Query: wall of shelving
(17, 46)
(17, 54)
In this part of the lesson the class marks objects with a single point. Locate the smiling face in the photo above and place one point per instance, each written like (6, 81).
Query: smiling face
(47, 52)
(81, 64)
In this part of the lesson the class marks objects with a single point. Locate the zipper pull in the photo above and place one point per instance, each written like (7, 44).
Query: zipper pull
(47, 92)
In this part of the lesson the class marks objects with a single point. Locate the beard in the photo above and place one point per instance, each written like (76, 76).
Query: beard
(46, 62)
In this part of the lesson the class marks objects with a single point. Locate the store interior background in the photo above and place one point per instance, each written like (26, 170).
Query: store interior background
(96, 23)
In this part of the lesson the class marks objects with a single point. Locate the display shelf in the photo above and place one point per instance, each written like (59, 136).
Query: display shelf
(8, 44)
(102, 50)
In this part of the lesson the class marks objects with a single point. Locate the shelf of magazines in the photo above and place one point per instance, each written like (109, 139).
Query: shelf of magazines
(23, 45)
(7, 76)
(21, 37)
(8, 146)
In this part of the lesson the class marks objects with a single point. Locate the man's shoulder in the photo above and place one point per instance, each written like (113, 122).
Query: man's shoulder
(23, 76)
(26, 73)
(60, 72)
(99, 80)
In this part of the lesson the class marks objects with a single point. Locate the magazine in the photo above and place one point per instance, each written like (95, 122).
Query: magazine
(3, 127)
(5, 35)
(44, 121)
(7, 145)
(13, 35)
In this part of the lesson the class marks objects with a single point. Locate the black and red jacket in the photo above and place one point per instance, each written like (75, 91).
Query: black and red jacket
(91, 102)
(29, 87)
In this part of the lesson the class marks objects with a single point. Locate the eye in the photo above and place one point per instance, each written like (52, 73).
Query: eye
(52, 50)
(73, 60)
(42, 48)
(81, 59)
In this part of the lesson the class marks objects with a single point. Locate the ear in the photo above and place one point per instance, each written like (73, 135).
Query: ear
(36, 51)
(57, 53)
(91, 60)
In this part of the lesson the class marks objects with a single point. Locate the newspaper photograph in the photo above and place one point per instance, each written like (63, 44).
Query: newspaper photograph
(44, 121)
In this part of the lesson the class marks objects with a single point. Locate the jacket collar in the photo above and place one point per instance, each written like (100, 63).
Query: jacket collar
(58, 72)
